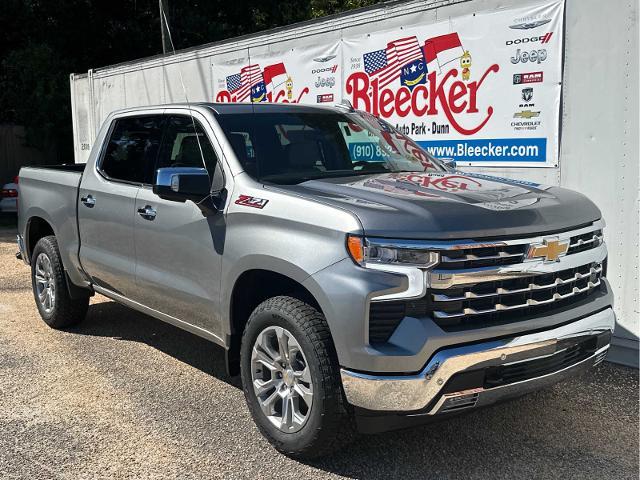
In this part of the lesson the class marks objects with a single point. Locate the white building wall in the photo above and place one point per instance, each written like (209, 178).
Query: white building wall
(599, 153)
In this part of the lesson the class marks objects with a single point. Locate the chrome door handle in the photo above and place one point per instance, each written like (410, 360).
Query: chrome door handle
(88, 201)
(147, 212)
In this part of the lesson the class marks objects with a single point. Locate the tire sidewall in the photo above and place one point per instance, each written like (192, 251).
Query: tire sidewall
(259, 320)
(44, 246)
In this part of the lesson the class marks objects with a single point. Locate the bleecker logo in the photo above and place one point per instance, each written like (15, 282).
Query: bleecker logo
(407, 79)
(542, 39)
(533, 56)
(532, 77)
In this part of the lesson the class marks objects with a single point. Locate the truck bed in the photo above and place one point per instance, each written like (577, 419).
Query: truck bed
(50, 193)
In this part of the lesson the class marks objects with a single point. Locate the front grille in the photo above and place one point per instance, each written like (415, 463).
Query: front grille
(478, 284)
(479, 256)
(585, 241)
(489, 303)
(513, 299)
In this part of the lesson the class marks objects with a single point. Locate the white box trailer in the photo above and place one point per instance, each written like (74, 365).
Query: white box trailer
(573, 65)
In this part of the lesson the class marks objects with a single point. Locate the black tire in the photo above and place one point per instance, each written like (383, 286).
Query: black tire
(330, 424)
(65, 311)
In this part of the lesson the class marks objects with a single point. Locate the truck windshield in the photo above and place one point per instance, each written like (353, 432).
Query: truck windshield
(291, 147)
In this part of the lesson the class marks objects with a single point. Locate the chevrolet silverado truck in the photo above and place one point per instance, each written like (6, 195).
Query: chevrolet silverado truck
(356, 283)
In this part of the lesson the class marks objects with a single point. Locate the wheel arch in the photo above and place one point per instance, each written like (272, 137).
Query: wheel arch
(36, 228)
(250, 288)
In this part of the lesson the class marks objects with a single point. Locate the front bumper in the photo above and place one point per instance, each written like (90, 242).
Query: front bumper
(483, 373)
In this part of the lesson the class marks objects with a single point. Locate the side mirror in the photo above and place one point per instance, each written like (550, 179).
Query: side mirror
(182, 183)
(450, 163)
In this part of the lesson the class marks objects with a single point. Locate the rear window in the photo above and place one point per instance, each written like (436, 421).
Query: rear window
(132, 149)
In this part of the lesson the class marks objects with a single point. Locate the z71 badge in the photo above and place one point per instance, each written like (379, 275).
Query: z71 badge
(249, 201)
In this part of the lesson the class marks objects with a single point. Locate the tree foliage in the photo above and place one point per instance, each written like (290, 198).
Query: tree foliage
(43, 41)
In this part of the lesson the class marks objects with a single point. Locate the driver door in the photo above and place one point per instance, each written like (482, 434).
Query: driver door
(178, 249)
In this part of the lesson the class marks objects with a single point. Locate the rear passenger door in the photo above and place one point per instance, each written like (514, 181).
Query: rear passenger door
(178, 249)
(107, 198)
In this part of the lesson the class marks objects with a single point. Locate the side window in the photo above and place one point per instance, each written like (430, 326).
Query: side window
(185, 146)
(132, 149)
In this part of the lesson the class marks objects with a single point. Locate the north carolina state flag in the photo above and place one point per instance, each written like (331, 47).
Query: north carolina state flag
(276, 74)
(443, 49)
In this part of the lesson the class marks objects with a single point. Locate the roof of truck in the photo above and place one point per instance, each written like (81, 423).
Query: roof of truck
(245, 108)
(264, 107)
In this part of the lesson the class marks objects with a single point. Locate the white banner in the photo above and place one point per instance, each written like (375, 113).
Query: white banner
(483, 89)
(311, 75)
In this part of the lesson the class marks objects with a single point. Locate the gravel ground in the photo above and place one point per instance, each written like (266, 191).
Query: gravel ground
(126, 396)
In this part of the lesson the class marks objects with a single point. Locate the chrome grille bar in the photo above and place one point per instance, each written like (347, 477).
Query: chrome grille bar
(580, 241)
(530, 302)
(441, 297)
(471, 256)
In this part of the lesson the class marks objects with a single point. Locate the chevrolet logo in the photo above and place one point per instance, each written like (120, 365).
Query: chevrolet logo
(550, 250)
(526, 114)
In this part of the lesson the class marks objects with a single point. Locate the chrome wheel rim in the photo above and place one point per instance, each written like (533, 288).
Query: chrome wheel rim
(45, 284)
(281, 379)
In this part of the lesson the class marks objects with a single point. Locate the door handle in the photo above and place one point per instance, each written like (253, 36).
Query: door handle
(147, 212)
(88, 201)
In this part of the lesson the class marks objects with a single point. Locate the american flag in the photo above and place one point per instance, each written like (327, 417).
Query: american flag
(386, 65)
(241, 83)
(233, 82)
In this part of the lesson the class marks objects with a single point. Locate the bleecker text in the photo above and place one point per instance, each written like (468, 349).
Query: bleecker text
(452, 96)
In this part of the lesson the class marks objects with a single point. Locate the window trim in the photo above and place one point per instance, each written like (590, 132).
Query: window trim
(107, 139)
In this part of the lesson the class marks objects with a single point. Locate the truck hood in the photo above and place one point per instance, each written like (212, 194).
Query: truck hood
(453, 205)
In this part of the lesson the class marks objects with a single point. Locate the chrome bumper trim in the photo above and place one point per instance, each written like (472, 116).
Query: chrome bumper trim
(479, 397)
(407, 393)
(21, 248)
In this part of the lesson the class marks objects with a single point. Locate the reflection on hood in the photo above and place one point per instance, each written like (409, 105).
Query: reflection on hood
(486, 192)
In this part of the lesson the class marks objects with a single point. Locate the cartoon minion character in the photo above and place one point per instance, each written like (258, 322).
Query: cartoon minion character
(289, 86)
(465, 63)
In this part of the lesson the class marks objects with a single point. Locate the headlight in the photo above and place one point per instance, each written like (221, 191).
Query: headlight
(378, 251)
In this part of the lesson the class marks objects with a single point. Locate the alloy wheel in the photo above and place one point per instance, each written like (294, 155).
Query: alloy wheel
(45, 283)
(281, 379)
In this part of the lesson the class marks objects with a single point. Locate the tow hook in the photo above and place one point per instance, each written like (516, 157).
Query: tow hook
(19, 255)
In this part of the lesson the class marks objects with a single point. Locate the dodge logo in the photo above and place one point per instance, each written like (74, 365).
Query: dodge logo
(550, 250)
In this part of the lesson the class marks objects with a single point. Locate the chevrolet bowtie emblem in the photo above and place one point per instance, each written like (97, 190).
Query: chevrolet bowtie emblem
(550, 250)
(528, 114)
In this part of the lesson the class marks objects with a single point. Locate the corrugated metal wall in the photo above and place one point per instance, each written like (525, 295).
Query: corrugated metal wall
(599, 131)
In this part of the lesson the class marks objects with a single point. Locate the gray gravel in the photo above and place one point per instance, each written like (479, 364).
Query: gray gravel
(126, 396)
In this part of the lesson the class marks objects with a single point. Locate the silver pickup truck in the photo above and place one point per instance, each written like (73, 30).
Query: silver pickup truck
(355, 282)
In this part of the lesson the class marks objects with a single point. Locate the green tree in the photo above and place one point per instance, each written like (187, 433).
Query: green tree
(43, 41)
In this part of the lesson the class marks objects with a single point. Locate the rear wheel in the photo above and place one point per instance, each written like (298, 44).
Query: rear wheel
(54, 303)
(291, 379)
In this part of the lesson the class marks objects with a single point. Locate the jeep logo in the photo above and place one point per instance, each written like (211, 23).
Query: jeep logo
(533, 56)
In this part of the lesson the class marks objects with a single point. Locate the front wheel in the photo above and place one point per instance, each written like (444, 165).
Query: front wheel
(291, 379)
(56, 307)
